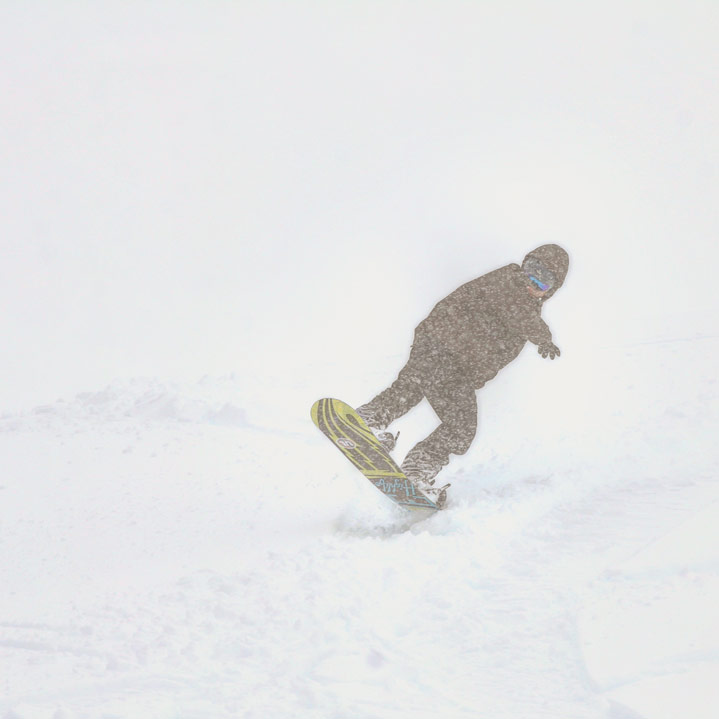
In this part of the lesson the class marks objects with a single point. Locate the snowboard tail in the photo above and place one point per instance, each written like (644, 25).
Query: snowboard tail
(349, 433)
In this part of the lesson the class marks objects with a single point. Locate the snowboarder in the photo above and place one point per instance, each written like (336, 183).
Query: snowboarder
(465, 340)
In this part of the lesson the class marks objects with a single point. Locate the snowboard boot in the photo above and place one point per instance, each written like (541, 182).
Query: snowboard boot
(386, 439)
(421, 467)
(438, 495)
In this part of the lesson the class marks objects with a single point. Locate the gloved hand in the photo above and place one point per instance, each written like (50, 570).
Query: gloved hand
(548, 349)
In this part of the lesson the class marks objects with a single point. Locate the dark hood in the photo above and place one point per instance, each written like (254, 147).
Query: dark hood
(554, 258)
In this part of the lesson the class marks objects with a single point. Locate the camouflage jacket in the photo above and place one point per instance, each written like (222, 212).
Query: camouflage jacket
(484, 324)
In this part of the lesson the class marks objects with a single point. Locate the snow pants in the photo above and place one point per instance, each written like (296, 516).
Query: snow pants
(436, 375)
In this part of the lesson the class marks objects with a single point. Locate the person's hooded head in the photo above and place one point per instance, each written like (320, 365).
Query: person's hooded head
(545, 268)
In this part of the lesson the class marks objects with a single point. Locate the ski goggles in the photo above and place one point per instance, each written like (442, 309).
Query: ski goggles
(544, 286)
(542, 278)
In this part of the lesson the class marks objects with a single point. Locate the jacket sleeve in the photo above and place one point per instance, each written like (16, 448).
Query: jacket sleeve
(526, 322)
(535, 329)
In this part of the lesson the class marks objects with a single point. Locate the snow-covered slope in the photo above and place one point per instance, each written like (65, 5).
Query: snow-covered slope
(284, 190)
(167, 553)
(651, 632)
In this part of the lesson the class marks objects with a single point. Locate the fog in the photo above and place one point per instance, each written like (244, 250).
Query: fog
(206, 188)
(213, 214)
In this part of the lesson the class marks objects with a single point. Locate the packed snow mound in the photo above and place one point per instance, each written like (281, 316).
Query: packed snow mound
(205, 402)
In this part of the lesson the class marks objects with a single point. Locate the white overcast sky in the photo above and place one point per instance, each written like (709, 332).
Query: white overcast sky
(207, 187)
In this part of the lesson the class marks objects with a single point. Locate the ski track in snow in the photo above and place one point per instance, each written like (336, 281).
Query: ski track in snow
(166, 555)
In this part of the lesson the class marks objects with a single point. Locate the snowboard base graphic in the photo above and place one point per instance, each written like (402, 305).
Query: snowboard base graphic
(349, 433)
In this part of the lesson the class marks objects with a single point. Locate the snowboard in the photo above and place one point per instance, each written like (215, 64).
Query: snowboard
(349, 433)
